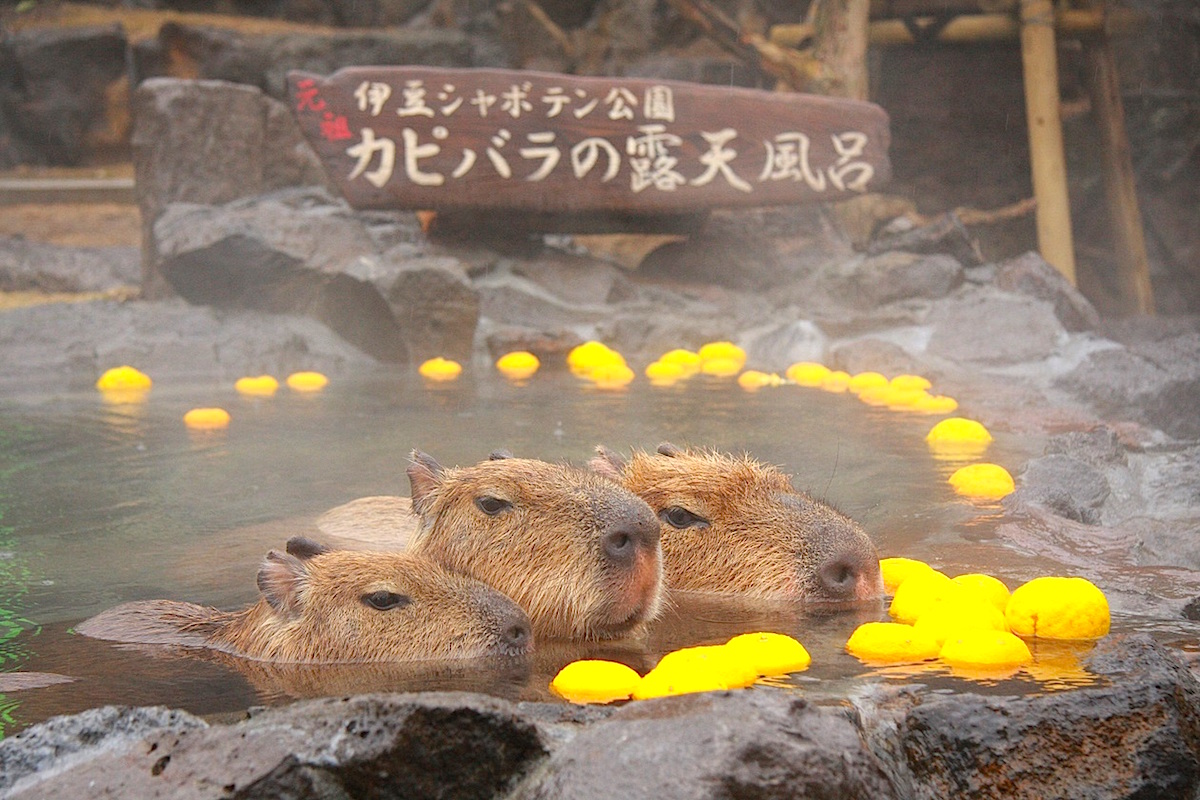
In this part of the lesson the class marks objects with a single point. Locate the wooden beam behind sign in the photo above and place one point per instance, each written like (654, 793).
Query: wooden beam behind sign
(420, 137)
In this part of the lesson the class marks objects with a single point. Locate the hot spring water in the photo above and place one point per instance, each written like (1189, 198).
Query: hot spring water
(102, 503)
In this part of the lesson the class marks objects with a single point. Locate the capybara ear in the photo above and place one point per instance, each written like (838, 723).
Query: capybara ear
(607, 463)
(304, 548)
(280, 579)
(669, 450)
(499, 455)
(425, 476)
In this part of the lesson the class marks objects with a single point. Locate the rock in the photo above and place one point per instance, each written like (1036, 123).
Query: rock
(1156, 382)
(871, 354)
(893, 276)
(989, 327)
(760, 742)
(751, 250)
(1062, 485)
(513, 300)
(300, 251)
(53, 107)
(66, 346)
(1030, 275)
(72, 742)
(433, 302)
(263, 60)
(37, 266)
(777, 346)
(210, 142)
(426, 745)
(1136, 734)
(550, 346)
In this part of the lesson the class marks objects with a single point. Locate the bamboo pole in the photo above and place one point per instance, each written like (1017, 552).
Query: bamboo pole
(840, 47)
(1120, 190)
(1040, 63)
(968, 27)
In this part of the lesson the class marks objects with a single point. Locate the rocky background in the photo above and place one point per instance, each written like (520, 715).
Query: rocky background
(232, 257)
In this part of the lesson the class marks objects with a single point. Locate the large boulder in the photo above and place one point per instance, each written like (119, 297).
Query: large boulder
(760, 743)
(210, 142)
(1154, 382)
(989, 327)
(27, 265)
(428, 745)
(264, 60)
(54, 85)
(1134, 734)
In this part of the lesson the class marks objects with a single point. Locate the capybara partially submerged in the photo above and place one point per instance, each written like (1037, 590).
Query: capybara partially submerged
(327, 606)
(577, 551)
(732, 525)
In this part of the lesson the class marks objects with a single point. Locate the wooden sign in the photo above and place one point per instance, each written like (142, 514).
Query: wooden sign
(444, 139)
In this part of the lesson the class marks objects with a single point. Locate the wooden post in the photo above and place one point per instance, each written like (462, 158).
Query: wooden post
(840, 47)
(1040, 63)
(1129, 243)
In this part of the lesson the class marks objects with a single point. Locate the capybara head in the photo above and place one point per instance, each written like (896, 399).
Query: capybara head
(577, 551)
(733, 525)
(328, 606)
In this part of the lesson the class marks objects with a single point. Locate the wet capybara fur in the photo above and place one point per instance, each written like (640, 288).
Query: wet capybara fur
(733, 525)
(576, 550)
(328, 606)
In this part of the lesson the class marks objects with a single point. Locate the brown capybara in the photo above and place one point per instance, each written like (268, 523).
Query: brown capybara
(577, 551)
(327, 606)
(732, 525)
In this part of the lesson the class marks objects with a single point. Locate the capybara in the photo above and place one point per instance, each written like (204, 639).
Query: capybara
(576, 550)
(733, 525)
(326, 606)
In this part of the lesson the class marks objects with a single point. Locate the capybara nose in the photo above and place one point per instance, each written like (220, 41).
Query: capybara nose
(516, 636)
(849, 576)
(632, 532)
(509, 622)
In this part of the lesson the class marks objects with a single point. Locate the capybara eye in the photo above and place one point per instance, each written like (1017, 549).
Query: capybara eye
(492, 505)
(680, 517)
(383, 600)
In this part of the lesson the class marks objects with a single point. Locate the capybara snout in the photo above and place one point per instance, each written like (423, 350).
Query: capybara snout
(577, 551)
(732, 525)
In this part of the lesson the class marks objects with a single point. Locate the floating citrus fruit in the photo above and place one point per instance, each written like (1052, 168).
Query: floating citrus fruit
(879, 395)
(257, 386)
(895, 570)
(722, 351)
(440, 369)
(909, 382)
(695, 669)
(992, 589)
(206, 419)
(594, 681)
(951, 617)
(518, 365)
(920, 591)
(936, 404)
(665, 373)
(585, 357)
(307, 381)
(891, 643)
(124, 378)
(958, 436)
(688, 361)
(611, 376)
(984, 481)
(985, 648)
(1058, 608)
(866, 380)
(752, 379)
(807, 373)
(770, 653)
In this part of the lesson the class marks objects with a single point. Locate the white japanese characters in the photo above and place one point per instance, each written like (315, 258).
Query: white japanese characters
(655, 153)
